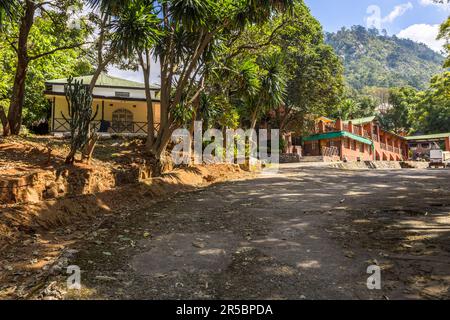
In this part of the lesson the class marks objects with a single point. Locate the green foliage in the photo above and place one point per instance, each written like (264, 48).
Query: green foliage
(8, 10)
(316, 84)
(59, 65)
(353, 105)
(272, 92)
(444, 33)
(315, 74)
(346, 109)
(247, 77)
(421, 112)
(190, 32)
(403, 102)
(283, 62)
(432, 115)
(216, 111)
(134, 29)
(371, 59)
(194, 13)
(182, 114)
(108, 6)
(48, 32)
(261, 86)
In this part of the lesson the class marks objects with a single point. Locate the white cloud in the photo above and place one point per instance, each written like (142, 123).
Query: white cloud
(375, 20)
(423, 33)
(126, 74)
(136, 75)
(444, 6)
(398, 11)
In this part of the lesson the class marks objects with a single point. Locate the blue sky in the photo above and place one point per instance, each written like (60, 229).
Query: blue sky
(417, 20)
(335, 14)
(414, 19)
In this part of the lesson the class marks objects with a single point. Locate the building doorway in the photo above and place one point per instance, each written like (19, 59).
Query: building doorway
(122, 121)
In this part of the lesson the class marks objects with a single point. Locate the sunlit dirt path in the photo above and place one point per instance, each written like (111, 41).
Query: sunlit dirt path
(304, 233)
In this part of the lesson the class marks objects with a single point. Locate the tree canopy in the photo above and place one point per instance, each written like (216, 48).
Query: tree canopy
(45, 47)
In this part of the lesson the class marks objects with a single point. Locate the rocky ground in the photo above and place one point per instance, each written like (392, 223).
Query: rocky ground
(304, 233)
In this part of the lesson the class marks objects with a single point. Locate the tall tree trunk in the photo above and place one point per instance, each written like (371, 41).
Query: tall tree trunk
(101, 67)
(4, 120)
(144, 60)
(283, 122)
(17, 99)
(156, 143)
(157, 148)
(18, 92)
(158, 151)
(254, 118)
(166, 85)
(168, 100)
(195, 116)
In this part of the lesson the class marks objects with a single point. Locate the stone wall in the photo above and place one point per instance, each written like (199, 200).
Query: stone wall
(289, 158)
(381, 165)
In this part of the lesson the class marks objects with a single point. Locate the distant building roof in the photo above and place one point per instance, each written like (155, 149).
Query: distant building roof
(338, 134)
(105, 80)
(360, 121)
(325, 119)
(429, 136)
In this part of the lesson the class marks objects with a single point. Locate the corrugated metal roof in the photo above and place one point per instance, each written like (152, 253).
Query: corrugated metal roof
(325, 119)
(337, 134)
(361, 120)
(105, 80)
(429, 136)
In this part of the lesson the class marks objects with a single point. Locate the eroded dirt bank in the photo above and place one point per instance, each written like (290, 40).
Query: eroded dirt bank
(306, 233)
(47, 207)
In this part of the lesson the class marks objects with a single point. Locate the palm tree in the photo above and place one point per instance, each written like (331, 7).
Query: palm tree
(134, 29)
(204, 22)
(108, 7)
(272, 90)
(189, 29)
(135, 33)
(126, 28)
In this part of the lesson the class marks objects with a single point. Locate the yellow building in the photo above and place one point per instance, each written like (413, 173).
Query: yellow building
(121, 105)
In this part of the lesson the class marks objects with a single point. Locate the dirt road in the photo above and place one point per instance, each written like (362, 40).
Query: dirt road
(305, 233)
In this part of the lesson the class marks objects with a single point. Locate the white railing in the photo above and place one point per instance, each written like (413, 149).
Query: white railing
(330, 151)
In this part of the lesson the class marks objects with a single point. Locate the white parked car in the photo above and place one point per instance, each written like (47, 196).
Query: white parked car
(439, 158)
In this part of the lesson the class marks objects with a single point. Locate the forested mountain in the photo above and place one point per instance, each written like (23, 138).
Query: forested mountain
(374, 59)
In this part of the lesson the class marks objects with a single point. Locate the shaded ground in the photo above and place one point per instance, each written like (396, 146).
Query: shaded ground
(55, 207)
(306, 233)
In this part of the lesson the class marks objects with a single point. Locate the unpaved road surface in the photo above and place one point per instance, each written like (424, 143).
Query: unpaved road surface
(305, 233)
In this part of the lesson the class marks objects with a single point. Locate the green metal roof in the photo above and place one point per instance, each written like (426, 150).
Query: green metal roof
(105, 80)
(338, 134)
(429, 136)
(361, 120)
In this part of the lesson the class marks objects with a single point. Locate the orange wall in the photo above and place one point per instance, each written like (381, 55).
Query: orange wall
(350, 154)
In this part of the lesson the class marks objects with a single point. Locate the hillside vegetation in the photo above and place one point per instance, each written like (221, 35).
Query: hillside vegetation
(373, 59)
